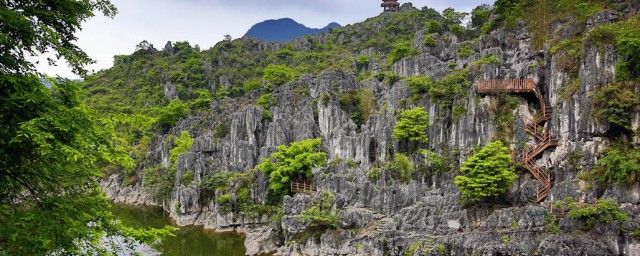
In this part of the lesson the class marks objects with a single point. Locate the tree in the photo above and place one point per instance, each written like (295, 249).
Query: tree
(480, 15)
(490, 172)
(29, 28)
(170, 114)
(434, 27)
(51, 149)
(291, 163)
(412, 125)
(452, 17)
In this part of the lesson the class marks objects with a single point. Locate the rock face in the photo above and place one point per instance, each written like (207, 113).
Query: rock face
(389, 217)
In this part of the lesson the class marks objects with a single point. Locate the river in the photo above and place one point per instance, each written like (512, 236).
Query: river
(188, 240)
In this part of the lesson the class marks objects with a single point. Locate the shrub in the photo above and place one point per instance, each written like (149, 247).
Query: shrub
(486, 60)
(182, 145)
(392, 78)
(490, 172)
(170, 114)
(225, 202)
(465, 51)
(452, 86)
(187, 178)
(429, 41)
(203, 101)
(265, 101)
(279, 74)
(252, 85)
(362, 61)
(614, 104)
(412, 125)
(374, 174)
(401, 50)
(221, 130)
(359, 103)
(401, 167)
(436, 163)
(159, 180)
(619, 164)
(607, 211)
(291, 163)
(321, 215)
(419, 84)
(434, 27)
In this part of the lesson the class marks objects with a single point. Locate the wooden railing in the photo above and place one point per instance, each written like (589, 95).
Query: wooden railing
(543, 139)
(507, 86)
(303, 187)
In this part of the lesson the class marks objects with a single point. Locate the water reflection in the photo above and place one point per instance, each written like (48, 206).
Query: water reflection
(188, 241)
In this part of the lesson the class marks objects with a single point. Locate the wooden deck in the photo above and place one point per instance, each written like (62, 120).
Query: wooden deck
(505, 86)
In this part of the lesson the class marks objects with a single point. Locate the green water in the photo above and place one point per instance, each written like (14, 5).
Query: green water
(188, 241)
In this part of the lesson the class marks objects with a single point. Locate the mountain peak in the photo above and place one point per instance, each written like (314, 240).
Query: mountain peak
(284, 29)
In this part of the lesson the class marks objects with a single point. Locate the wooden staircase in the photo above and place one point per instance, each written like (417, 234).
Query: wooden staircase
(535, 127)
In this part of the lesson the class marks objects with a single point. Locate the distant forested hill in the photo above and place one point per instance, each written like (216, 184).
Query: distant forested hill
(284, 29)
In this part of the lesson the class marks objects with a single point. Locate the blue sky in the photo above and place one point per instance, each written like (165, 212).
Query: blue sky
(205, 22)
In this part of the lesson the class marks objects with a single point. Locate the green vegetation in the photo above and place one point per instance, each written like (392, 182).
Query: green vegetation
(434, 27)
(480, 15)
(359, 103)
(374, 174)
(401, 50)
(221, 130)
(182, 145)
(465, 51)
(292, 163)
(170, 114)
(435, 163)
(225, 202)
(607, 211)
(412, 125)
(279, 74)
(450, 88)
(616, 103)
(412, 249)
(489, 172)
(504, 117)
(429, 41)
(187, 178)
(619, 164)
(401, 168)
(321, 215)
(486, 60)
(52, 148)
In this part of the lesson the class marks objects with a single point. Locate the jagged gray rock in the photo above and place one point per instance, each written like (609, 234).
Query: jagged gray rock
(390, 217)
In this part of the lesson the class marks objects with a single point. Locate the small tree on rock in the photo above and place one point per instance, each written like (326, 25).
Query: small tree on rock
(490, 172)
(412, 125)
(293, 162)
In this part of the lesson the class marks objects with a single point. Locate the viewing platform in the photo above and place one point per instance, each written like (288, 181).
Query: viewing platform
(506, 86)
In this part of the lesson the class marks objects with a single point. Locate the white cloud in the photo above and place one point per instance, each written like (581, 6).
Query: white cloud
(204, 22)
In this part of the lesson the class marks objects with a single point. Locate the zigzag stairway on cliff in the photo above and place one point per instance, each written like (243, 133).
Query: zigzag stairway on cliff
(535, 127)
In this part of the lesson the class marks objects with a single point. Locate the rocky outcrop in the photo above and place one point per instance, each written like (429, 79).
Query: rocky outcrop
(387, 216)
